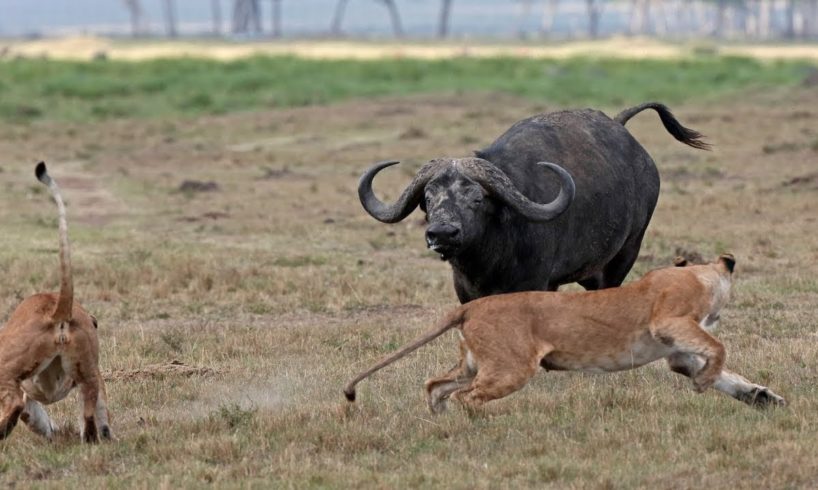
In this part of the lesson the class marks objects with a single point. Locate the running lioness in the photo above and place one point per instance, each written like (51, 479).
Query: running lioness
(48, 347)
(666, 314)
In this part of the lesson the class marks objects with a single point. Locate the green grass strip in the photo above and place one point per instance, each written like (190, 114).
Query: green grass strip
(88, 91)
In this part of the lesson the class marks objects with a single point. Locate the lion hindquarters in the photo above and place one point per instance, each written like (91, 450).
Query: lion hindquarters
(440, 388)
(505, 359)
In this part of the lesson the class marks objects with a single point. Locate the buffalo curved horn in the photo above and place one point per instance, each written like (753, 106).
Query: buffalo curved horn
(497, 183)
(408, 200)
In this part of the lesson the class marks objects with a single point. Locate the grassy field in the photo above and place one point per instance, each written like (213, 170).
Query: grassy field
(32, 89)
(275, 287)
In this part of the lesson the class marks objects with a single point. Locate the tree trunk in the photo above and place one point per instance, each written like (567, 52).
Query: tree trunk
(763, 20)
(721, 14)
(811, 19)
(170, 17)
(548, 17)
(525, 14)
(789, 20)
(275, 18)
(594, 10)
(338, 18)
(136, 12)
(394, 15)
(443, 26)
(246, 13)
(216, 12)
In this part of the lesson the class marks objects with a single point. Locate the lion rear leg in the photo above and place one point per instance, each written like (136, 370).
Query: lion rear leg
(37, 420)
(493, 382)
(440, 388)
(89, 395)
(11, 407)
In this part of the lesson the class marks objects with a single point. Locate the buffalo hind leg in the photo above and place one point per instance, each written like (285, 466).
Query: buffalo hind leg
(615, 271)
(728, 382)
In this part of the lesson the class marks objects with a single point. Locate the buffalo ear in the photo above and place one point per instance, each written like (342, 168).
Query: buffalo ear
(680, 261)
(729, 261)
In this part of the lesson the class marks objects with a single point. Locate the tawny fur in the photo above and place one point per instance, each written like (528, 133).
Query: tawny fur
(507, 338)
(48, 347)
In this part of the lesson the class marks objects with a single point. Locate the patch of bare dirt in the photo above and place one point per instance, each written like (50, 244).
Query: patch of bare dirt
(154, 371)
(802, 182)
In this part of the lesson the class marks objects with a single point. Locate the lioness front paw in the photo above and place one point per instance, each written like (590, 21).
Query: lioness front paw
(762, 397)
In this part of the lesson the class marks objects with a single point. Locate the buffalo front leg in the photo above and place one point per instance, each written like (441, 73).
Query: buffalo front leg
(728, 382)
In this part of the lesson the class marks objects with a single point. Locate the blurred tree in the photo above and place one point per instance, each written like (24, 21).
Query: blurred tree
(275, 17)
(594, 10)
(394, 15)
(170, 17)
(216, 13)
(525, 14)
(137, 16)
(548, 16)
(443, 25)
(246, 16)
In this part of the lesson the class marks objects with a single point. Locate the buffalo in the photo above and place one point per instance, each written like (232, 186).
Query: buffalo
(559, 198)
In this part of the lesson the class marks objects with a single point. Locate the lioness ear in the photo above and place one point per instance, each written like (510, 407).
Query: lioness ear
(729, 261)
(680, 261)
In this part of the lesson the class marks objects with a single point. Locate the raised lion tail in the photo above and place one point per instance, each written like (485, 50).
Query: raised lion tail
(65, 304)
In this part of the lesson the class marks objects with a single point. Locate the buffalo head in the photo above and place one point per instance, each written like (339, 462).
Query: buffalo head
(459, 196)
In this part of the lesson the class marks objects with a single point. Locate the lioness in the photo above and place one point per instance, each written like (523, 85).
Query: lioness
(666, 314)
(48, 347)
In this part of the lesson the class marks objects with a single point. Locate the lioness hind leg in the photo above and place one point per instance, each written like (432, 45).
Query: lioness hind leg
(687, 337)
(492, 383)
(440, 388)
(11, 407)
(89, 395)
(728, 382)
(37, 420)
(101, 411)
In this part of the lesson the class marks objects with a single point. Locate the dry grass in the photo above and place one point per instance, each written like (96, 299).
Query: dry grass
(282, 286)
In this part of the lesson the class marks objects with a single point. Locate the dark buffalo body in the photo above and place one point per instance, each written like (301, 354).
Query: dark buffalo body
(499, 240)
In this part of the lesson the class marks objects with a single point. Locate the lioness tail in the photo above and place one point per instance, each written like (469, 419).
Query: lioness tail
(65, 303)
(451, 320)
